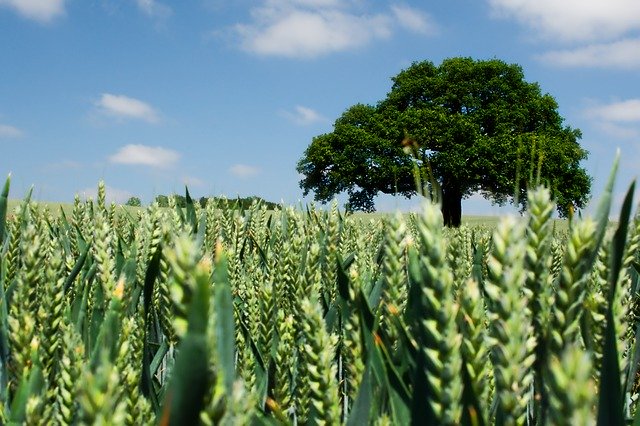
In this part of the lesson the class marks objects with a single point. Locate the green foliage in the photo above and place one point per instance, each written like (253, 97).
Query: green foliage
(205, 315)
(162, 201)
(467, 125)
(240, 203)
(134, 202)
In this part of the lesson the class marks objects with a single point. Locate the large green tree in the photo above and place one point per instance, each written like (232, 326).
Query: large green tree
(475, 125)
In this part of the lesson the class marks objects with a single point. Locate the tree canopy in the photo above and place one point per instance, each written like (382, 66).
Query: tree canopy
(242, 203)
(134, 201)
(475, 125)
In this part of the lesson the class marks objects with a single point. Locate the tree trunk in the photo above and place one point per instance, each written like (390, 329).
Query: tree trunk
(451, 207)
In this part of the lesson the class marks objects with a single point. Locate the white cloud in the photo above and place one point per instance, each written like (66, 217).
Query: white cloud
(7, 131)
(618, 119)
(573, 20)
(153, 156)
(623, 111)
(309, 28)
(413, 19)
(243, 171)
(38, 10)
(121, 106)
(312, 28)
(112, 195)
(153, 8)
(303, 116)
(618, 131)
(624, 54)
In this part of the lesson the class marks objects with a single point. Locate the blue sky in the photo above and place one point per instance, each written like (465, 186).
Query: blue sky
(226, 95)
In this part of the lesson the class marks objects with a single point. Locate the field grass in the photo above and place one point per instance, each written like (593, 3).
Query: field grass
(467, 220)
(55, 207)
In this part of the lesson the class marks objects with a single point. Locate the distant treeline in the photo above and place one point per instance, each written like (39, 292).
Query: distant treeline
(219, 202)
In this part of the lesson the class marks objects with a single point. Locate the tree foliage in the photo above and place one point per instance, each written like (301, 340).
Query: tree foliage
(162, 200)
(223, 203)
(472, 125)
(241, 203)
(134, 201)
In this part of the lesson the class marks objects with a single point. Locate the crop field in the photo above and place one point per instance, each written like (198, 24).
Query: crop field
(305, 316)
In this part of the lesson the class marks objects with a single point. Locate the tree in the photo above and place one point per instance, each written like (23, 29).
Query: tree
(471, 125)
(162, 200)
(134, 201)
(180, 200)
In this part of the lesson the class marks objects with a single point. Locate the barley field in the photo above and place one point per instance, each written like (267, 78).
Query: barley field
(308, 316)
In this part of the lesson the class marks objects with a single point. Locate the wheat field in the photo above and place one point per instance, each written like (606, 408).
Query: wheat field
(310, 316)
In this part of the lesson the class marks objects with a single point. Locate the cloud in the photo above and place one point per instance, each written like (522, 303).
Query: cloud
(618, 131)
(623, 54)
(573, 20)
(153, 156)
(37, 10)
(303, 116)
(313, 28)
(414, 20)
(124, 107)
(154, 9)
(112, 195)
(7, 131)
(304, 33)
(619, 119)
(243, 171)
(623, 111)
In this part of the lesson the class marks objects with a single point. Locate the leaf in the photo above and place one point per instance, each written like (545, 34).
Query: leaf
(252, 345)
(79, 310)
(31, 385)
(332, 318)
(4, 201)
(395, 379)
(108, 334)
(190, 378)
(4, 339)
(261, 372)
(261, 252)
(619, 241)
(478, 260)
(610, 402)
(189, 383)
(380, 362)
(153, 270)
(361, 410)
(97, 317)
(611, 410)
(202, 229)
(76, 269)
(119, 258)
(225, 326)
(636, 420)
(342, 266)
(376, 293)
(191, 212)
(604, 207)
(159, 357)
(128, 273)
